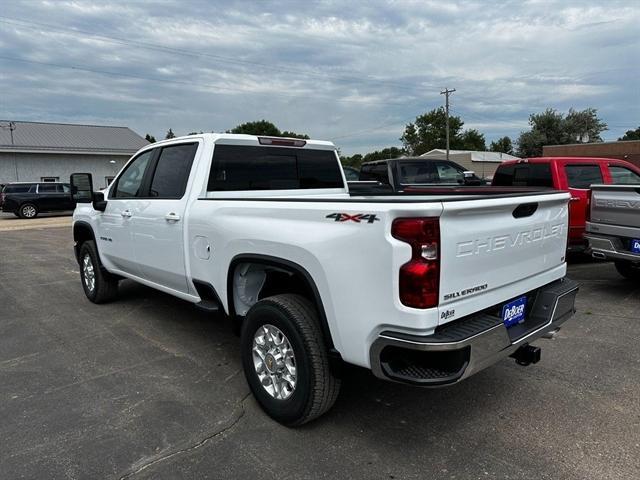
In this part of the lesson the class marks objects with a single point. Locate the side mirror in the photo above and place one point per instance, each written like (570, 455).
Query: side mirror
(99, 203)
(81, 187)
(470, 178)
(82, 191)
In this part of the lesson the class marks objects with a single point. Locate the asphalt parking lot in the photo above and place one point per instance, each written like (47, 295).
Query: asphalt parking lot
(150, 387)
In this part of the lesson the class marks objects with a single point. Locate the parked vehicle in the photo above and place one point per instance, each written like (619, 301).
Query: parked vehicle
(351, 174)
(28, 199)
(575, 174)
(613, 229)
(421, 289)
(417, 171)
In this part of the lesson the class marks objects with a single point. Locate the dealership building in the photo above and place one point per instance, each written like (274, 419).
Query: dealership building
(484, 164)
(51, 152)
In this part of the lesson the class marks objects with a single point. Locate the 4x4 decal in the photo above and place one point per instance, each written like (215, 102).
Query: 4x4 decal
(358, 217)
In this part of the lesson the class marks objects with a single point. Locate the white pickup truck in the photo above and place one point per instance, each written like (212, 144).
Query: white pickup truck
(426, 287)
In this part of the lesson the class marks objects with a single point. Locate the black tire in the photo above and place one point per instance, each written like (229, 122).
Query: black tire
(28, 210)
(316, 387)
(628, 269)
(105, 285)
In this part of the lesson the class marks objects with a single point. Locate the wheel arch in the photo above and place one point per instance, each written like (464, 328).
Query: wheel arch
(82, 232)
(281, 264)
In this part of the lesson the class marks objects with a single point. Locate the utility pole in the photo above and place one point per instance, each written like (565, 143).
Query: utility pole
(446, 94)
(12, 126)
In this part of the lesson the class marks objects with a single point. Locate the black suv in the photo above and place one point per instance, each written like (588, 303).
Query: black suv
(402, 172)
(26, 200)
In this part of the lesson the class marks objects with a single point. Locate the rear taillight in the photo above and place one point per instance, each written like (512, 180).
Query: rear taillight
(420, 276)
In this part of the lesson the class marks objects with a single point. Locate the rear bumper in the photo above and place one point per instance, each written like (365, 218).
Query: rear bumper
(610, 248)
(458, 350)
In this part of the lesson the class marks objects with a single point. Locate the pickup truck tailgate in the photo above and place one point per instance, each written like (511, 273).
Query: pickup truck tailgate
(492, 242)
(616, 205)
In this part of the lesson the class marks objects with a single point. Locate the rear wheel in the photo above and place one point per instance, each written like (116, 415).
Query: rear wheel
(28, 210)
(628, 270)
(99, 285)
(285, 360)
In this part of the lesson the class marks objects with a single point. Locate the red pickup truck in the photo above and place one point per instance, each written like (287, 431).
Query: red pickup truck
(575, 174)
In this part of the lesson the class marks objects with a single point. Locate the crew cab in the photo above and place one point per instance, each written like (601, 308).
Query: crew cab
(574, 174)
(425, 287)
(613, 228)
(28, 199)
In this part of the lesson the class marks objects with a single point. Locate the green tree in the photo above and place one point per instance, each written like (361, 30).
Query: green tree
(150, 138)
(385, 153)
(554, 128)
(631, 135)
(504, 145)
(429, 131)
(353, 161)
(294, 135)
(170, 134)
(264, 127)
(469, 140)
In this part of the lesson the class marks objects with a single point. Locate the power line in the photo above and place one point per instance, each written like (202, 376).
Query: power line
(186, 52)
(85, 68)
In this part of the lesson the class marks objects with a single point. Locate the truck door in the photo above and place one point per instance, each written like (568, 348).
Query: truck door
(579, 178)
(114, 224)
(158, 221)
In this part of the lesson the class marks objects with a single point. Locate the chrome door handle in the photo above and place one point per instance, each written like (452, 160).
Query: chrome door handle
(172, 217)
(126, 213)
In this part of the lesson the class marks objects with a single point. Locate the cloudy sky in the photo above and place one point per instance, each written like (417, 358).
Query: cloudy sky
(352, 72)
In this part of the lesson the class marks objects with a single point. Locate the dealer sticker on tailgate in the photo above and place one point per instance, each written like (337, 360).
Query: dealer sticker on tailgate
(513, 312)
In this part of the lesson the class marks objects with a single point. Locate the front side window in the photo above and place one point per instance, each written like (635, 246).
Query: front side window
(172, 171)
(272, 168)
(447, 173)
(623, 175)
(63, 188)
(130, 182)
(583, 176)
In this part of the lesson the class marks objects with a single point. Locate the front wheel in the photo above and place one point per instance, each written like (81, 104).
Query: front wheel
(628, 269)
(99, 285)
(285, 360)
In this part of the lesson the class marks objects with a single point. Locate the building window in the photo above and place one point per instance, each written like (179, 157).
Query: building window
(49, 179)
(108, 180)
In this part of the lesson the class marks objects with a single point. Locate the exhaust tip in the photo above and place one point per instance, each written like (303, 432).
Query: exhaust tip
(599, 255)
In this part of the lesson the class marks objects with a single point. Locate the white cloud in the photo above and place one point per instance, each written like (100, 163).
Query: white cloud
(356, 73)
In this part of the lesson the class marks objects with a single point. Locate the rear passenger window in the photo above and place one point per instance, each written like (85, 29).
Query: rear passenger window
(583, 176)
(51, 188)
(376, 172)
(524, 175)
(172, 171)
(622, 175)
(272, 168)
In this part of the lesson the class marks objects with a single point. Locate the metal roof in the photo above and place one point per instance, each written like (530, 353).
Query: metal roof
(473, 155)
(68, 138)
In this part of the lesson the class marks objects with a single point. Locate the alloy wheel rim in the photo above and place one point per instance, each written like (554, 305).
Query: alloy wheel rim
(28, 211)
(274, 362)
(88, 273)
